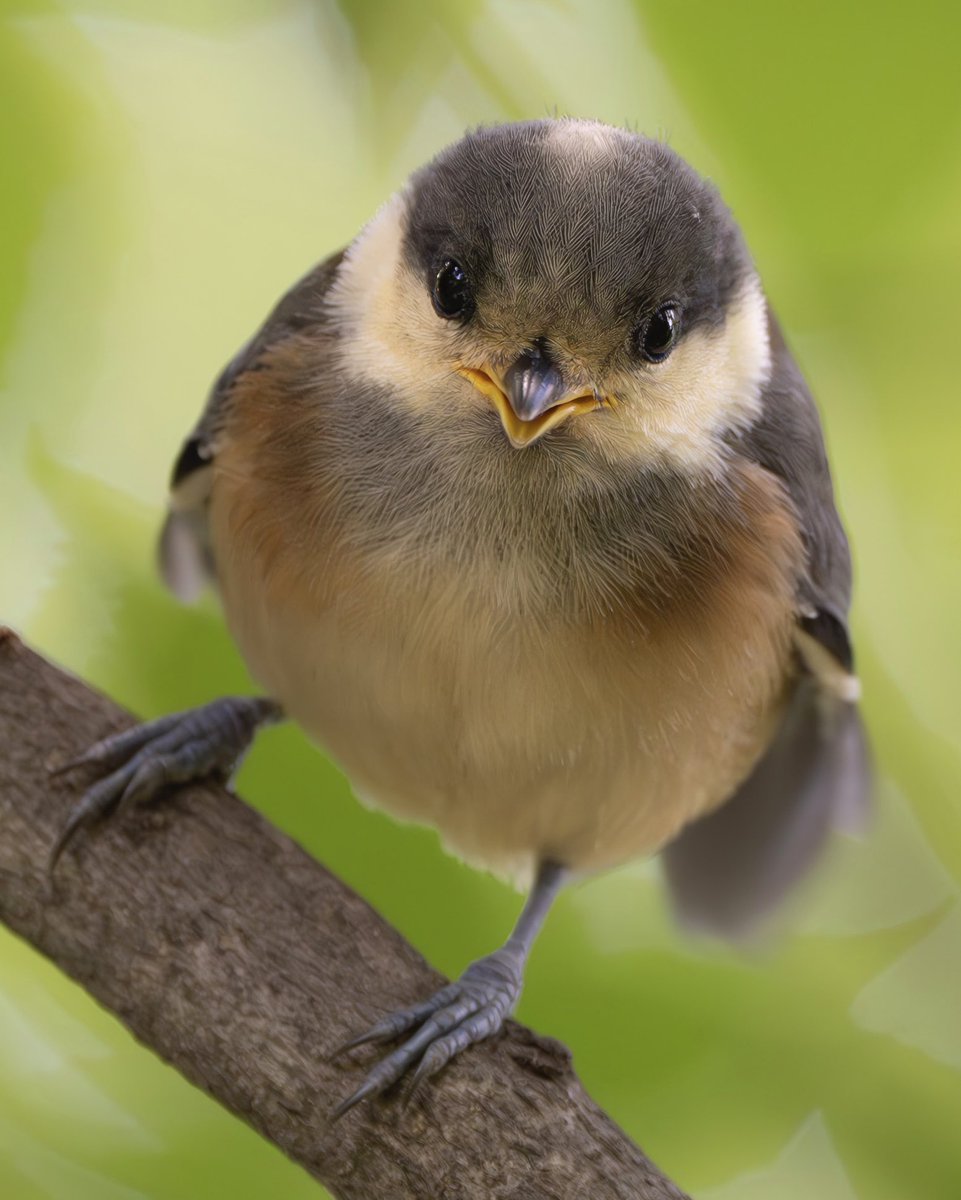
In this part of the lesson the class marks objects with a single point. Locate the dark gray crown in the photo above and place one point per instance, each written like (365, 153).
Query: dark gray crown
(545, 214)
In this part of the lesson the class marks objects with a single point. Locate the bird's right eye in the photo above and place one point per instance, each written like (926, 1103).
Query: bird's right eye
(452, 295)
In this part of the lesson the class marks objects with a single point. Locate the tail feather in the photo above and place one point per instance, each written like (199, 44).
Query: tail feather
(184, 554)
(730, 869)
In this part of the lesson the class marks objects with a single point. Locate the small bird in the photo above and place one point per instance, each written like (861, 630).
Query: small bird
(520, 507)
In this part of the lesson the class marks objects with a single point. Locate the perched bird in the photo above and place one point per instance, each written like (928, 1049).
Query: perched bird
(520, 507)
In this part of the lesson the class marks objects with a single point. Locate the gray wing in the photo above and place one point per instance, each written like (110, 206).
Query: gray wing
(186, 558)
(728, 870)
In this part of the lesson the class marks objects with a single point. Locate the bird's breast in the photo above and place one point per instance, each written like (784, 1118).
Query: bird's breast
(578, 698)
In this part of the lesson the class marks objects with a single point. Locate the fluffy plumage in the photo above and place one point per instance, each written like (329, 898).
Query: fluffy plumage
(567, 652)
(520, 506)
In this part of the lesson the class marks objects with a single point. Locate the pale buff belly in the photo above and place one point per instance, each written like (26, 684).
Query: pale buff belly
(517, 736)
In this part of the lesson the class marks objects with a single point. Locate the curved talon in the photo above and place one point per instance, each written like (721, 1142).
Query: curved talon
(97, 802)
(117, 746)
(70, 765)
(75, 819)
(397, 1023)
(368, 1088)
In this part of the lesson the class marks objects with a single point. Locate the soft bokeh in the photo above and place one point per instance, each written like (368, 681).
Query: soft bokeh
(168, 169)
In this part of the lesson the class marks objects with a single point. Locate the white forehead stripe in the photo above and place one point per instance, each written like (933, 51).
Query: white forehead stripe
(576, 137)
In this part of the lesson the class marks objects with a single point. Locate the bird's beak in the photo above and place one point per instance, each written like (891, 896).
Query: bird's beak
(531, 397)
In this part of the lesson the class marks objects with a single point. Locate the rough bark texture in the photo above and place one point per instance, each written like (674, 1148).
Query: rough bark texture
(237, 958)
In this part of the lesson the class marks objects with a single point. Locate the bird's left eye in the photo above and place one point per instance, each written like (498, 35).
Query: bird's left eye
(659, 334)
(451, 295)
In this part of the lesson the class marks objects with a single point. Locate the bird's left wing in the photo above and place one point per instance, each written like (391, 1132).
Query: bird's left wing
(186, 560)
(727, 870)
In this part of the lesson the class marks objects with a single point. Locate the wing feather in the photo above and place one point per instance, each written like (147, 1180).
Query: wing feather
(730, 869)
(185, 553)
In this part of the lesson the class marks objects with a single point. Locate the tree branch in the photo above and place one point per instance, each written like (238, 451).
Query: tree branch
(236, 957)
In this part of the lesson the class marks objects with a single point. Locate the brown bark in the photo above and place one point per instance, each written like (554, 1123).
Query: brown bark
(236, 957)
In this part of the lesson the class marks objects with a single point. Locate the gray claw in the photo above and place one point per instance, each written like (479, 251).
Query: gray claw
(457, 1016)
(397, 1023)
(111, 751)
(175, 749)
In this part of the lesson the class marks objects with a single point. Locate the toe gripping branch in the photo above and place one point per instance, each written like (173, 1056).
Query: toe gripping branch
(136, 764)
(464, 1012)
(467, 1011)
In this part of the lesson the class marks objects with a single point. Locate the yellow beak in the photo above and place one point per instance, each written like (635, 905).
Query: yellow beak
(520, 431)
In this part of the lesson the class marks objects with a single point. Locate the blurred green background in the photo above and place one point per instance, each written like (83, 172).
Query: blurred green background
(167, 170)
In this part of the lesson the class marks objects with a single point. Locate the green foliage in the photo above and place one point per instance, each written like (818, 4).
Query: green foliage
(170, 169)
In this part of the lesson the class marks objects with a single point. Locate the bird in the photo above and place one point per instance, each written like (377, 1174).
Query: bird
(520, 507)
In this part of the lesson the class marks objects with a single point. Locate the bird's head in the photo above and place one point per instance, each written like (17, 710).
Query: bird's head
(567, 280)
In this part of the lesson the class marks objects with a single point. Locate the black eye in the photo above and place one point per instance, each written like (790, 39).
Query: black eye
(658, 336)
(451, 295)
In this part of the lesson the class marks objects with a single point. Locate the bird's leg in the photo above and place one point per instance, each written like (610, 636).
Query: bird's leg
(466, 1011)
(137, 763)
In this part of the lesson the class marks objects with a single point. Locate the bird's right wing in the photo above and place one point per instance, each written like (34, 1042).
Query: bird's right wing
(186, 558)
(729, 869)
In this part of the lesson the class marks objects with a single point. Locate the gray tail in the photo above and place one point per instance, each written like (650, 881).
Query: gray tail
(730, 869)
(184, 555)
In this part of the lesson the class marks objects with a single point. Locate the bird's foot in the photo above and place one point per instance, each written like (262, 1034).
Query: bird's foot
(137, 763)
(472, 1008)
